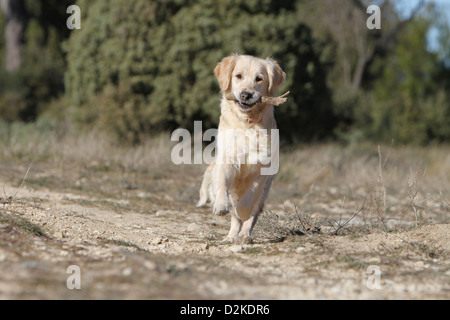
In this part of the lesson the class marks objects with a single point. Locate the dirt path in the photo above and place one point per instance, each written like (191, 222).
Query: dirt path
(137, 243)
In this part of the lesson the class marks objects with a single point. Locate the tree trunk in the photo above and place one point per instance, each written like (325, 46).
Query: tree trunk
(366, 53)
(15, 16)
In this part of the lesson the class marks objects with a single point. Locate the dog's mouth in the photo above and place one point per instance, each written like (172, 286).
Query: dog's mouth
(244, 106)
(247, 105)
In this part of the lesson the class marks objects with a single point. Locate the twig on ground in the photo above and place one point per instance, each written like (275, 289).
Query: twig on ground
(413, 191)
(340, 226)
(10, 199)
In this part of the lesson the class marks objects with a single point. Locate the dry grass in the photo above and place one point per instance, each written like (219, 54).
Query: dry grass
(28, 143)
(379, 187)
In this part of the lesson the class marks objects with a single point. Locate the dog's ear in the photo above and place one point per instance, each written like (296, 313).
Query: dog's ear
(223, 72)
(276, 76)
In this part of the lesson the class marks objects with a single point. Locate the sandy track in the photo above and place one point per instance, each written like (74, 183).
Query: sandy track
(142, 244)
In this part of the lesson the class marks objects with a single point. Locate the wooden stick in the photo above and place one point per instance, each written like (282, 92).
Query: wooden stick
(276, 101)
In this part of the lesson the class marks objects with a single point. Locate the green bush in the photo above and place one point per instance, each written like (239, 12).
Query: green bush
(141, 66)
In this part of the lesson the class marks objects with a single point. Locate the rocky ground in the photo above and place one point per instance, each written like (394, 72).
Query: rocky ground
(136, 234)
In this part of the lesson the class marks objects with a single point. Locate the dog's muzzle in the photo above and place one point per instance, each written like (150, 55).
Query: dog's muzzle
(247, 100)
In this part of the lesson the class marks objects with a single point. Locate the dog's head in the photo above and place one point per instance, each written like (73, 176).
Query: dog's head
(245, 79)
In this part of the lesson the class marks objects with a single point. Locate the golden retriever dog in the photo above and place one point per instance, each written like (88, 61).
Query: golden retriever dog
(234, 182)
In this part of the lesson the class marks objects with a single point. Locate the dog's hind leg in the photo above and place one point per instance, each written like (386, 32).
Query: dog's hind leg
(236, 225)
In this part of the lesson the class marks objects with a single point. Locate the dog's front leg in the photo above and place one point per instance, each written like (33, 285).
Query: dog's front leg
(251, 205)
(224, 175)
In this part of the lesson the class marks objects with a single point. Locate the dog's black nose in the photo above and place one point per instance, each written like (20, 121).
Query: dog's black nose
(245, 96)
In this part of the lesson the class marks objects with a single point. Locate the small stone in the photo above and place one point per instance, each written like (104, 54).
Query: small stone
(127, 272)
(159, 240)
(235, 248)
(161, 213)
(150, 265)
(177, 248)
(193, 227)
(58, 234)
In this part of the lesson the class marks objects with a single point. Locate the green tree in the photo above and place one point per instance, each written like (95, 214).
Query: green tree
(386, 84)
(411, 103)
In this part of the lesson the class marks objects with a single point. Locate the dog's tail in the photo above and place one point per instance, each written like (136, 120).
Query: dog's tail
(203, 198)
(205, 190)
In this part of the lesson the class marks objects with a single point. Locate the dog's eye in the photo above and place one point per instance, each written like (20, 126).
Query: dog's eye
(239, 76)
(258, 79)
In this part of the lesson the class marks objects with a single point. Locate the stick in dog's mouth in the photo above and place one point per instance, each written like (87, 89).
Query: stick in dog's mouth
(275, 101)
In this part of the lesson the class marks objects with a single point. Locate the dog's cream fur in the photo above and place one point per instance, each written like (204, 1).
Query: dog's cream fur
(233, 182)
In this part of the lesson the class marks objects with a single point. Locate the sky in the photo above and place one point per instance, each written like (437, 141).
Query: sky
(406, 6)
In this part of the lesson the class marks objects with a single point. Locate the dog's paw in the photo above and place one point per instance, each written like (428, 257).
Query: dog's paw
(228, 239)
(201, 203)
(221, 209)
(237, 240)
(246, 239)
